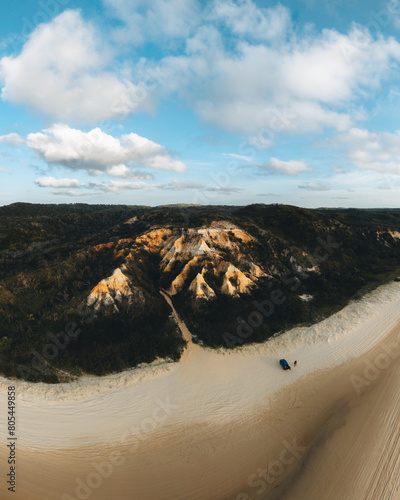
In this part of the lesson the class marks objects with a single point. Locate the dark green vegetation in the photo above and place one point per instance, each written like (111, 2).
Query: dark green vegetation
(48, 265)
(354, 253)
(50, 260)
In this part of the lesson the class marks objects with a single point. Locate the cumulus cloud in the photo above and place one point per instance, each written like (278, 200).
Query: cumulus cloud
(245, 19)
(176, 19)
(291, 167)
(62, 71)
(377, 151)
(57, 183)
(96, 151)
(301, 85)
(123, 171)
(111, 186)
(244, 69)
(12, 139)
(158, 19)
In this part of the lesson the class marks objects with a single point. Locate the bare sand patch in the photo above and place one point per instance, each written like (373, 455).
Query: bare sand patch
(331, 442)
(225, 425)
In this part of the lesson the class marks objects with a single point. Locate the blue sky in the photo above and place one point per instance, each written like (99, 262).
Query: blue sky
(190, 101)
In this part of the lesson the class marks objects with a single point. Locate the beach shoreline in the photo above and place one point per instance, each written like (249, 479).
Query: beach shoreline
(249, 459)
(207, 427)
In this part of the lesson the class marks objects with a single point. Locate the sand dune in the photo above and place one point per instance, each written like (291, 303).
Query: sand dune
(225, 425)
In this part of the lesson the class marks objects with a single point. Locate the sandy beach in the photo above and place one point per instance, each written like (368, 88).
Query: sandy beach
(226, 425)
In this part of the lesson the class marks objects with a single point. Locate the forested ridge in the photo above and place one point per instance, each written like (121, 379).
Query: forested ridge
(79, 284)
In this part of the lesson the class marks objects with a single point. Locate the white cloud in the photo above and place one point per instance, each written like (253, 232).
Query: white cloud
(301, 85)
(176, 19)
(239, 157)
(96, 173)
(314, 186)
(61, 71)
(393, 12)
(158, 19)
(119, 185)
(377, 151)
(291, 167)
(98, 151)
(71, 192)
(57, 183)
(244, 69)
(124, 172)
(364, 180)
(206, 36)
(12, 139)
(111, 186)
(252, 117)
(245, 19)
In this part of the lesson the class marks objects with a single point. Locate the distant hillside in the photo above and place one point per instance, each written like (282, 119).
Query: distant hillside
(79, 284)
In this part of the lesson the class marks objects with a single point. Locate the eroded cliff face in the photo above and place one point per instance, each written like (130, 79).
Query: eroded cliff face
(201, 261)
(395, 234)
(112, 291)
(199, 288)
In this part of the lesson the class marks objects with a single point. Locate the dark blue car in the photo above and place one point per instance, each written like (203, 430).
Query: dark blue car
(284, 364)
